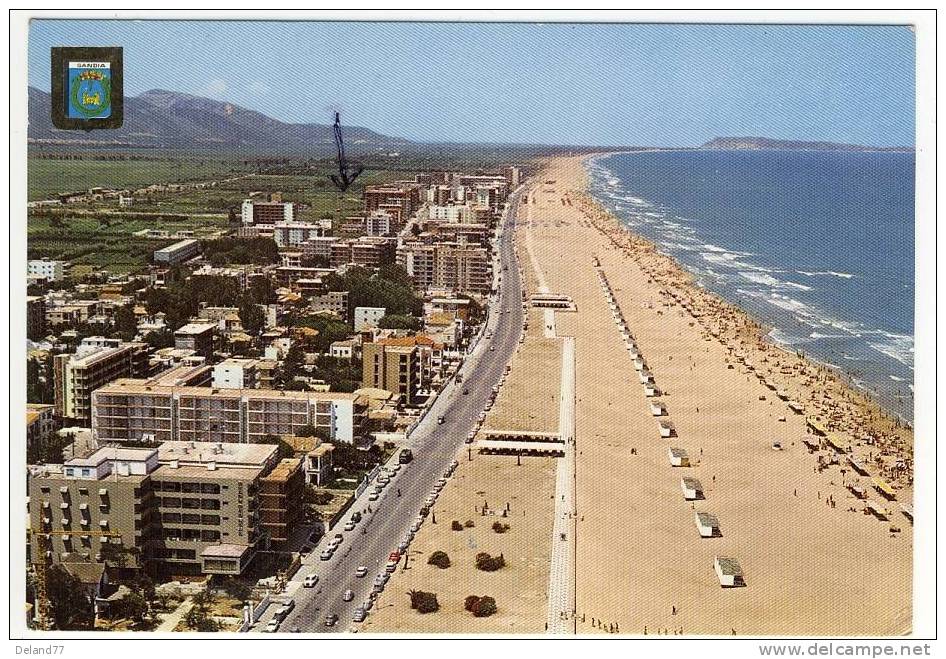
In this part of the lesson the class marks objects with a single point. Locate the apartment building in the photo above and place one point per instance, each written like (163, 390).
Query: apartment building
(379, 223)
(235, 373)
(45, 269)
(177, 508)
(394, 368)
(294, 234)
(96, 362)
(35, 317)
(407, 197)
(136, 410)
(266, 212)
(448, 266)
(198, 337)
(335, 302)
(280, 495)
(366, 251)
(177, 253)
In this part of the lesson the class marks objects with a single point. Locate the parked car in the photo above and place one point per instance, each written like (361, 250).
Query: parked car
(361, 571)
(310, 580)
(326, 554)
(331, 619)
(359, 615)
(390, 567)
(272, 626)
(373, 496)
(405, 456)
(350, 525)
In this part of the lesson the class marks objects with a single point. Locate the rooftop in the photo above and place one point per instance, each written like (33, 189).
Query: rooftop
(196, 328)
(222, 454)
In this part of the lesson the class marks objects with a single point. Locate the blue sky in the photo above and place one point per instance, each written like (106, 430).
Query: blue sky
(664, 85)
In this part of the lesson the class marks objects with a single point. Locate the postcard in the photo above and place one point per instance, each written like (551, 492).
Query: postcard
(542, 329)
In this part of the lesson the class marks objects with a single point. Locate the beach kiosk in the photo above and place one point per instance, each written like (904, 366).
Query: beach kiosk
(657, 408)
(678, 457)
(708, 525)
(797, 408)
(884, 489)
(646, 376)
(729, 572)
(650, 390)
(666, 429)
(692, 488)
(857, 491)
(639, 364)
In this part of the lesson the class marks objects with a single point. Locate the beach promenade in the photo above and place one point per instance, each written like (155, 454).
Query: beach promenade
(815, 558)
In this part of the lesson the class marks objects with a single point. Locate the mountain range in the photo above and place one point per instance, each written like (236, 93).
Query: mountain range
(165, 119)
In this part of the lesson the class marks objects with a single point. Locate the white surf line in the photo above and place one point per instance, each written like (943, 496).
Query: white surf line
(561, 617)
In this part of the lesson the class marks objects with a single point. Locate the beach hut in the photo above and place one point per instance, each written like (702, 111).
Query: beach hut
(650, 390)
(782, 394)
(857, 466)
(645, 376)
(884, 489)
(816, 427)
(666, 429)
(835, 441)
(678, 457)
(729, 572)
(907, 511)
(657, 408)
(692, 488)
(707, 525)
(875, 509)
(797, 408)
(639, 363)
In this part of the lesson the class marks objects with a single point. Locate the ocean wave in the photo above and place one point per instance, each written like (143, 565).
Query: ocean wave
(760, 278)
(898, 347)
(832, 273)
(792, 284)
(782, 337)
(815, 336)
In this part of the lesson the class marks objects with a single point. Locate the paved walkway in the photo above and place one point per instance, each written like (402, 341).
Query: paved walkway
(561, 611)
(175, 616)
(540, 277)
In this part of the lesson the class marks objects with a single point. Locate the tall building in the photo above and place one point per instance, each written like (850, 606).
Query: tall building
(447, 266)
(179, 507)
(266, 212)
(198, 337)
(35, 317)
(394, 368)
(76, 376)
(369, 252)
(235, 373)
(280, 495)
(407, 197)
(293, 234)
(146, 410)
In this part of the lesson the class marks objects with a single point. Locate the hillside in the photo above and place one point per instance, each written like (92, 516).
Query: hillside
(765, 143)
(166, 119)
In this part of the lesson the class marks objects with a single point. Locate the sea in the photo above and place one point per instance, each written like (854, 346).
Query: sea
(816, 245)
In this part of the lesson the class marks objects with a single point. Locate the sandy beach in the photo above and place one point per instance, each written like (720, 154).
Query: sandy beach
(814, 562)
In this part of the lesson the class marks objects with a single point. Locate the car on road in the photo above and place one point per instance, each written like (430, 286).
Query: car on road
(362, 571)
(373, 496)
(405, 456)
(331, 619)
(284, 610)
(349, 595)
(272, 626)
(350, 525)
(441, 419)
(381, 579)
(368, 604)
(390, 567)
(359, 615)
(383, 480)
(310, 581)
(465, 391)
(492, 348)
(326, 554)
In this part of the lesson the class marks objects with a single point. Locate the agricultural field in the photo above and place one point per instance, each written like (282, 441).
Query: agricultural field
(48, 177)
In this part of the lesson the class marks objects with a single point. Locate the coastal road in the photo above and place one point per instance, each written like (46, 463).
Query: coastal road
(435, 445)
